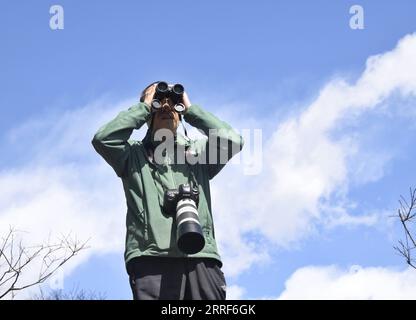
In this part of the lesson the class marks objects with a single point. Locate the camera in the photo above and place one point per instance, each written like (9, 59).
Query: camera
(174, 92)
(183, 203)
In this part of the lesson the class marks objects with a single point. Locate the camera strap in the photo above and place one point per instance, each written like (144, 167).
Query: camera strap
(155, 167)
(184, 128)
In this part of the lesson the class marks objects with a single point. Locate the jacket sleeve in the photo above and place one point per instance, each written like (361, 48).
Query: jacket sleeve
(223, 141)
(111, 139)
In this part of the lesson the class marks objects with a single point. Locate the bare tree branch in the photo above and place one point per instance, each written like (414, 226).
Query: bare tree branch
(406, 214)
(15, 259)
(74, 294)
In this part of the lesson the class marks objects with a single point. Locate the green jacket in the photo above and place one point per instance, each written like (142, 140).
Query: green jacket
(150, 232)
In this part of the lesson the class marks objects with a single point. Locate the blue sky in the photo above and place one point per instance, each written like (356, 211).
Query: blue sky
(256, 64)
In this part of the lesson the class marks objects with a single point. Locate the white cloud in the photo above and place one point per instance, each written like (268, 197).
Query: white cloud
(63, 199)
(235, 292)
(308, 168)
(332, 282)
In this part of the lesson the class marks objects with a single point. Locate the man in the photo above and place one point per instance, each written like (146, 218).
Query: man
(157, 268)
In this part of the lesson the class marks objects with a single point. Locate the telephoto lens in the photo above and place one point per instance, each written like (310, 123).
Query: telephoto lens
(184, 203)
(189, 236)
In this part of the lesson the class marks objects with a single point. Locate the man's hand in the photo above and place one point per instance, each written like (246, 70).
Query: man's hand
(186, 101)
(150, 92)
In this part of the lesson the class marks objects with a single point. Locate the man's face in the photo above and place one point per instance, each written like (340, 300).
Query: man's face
(166, 117)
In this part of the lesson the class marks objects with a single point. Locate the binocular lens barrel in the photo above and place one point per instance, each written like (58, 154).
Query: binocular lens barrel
(156, 104)
(179, 107)
(178, 89)
(162, 87)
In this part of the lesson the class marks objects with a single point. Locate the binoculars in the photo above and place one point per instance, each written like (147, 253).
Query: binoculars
(174, 92)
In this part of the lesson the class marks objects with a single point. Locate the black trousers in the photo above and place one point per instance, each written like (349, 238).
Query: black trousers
(161, 278)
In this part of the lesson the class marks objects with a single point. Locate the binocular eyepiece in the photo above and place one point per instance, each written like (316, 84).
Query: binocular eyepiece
(174, 92)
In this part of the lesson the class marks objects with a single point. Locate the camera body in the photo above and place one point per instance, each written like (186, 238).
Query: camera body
(183, 202)
(172, 196)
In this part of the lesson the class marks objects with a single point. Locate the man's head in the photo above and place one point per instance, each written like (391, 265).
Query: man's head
(164, 118)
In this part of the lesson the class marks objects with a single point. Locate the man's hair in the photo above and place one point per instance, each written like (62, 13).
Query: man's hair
(143, 94)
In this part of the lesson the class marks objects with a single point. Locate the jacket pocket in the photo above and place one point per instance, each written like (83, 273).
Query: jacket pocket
(207, 235)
